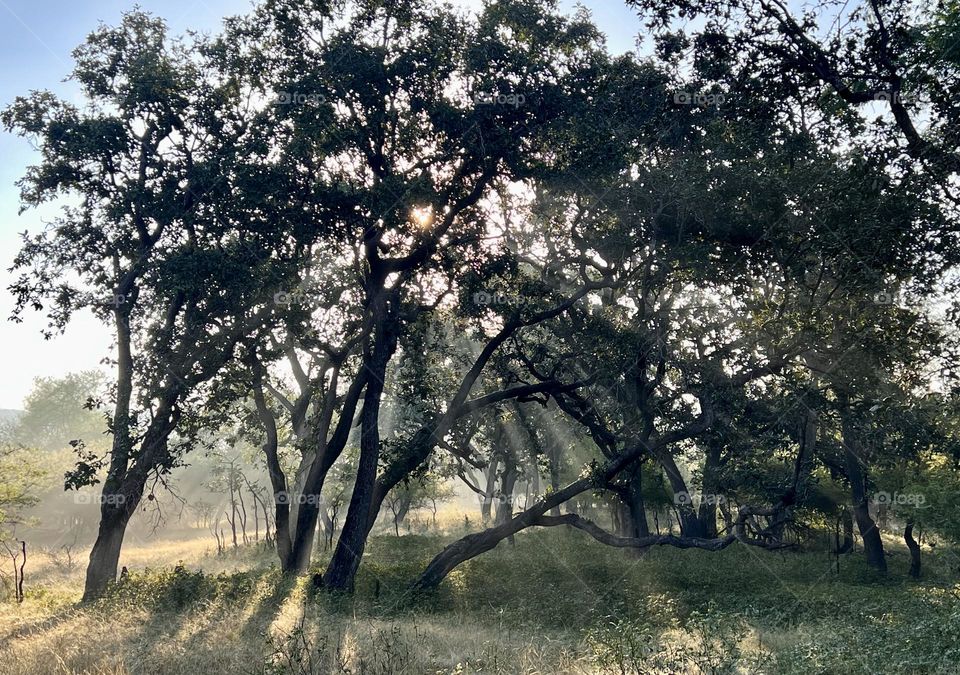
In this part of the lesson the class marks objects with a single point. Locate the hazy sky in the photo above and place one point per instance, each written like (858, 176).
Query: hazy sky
(36, 38)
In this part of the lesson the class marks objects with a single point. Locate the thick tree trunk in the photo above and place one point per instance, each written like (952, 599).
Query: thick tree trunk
(105, 555)
(914, 549)
(689, 521)
(635, 506)
(340, 574)
(709, 498)
(122, 491)
(304, 528)
(854, 457)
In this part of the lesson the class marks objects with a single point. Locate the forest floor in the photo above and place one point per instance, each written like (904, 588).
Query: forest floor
(555, 602)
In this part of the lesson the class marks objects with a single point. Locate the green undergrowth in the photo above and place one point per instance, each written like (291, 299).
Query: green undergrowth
(558, 595)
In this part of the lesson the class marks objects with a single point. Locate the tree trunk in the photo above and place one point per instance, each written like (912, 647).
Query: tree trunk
(305, 526)
(686, 514)
(340, 574)
(709, 497)
(616, 517)
(105, 555)
(473, 545)
(846, 520)
(508, 482)
(325, 519)
(637, 509)
(305, 529)
(122, 491)
(854, 457)
(554, 479)
(278, 481)
(914, 549)
(489, 489)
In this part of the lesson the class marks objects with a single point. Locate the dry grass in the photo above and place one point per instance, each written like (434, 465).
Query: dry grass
(552, 604)
(275, 627)
(265, 633)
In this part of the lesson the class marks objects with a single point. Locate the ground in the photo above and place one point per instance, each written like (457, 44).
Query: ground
(555, 602)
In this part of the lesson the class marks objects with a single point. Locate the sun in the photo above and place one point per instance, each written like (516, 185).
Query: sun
(422, 216)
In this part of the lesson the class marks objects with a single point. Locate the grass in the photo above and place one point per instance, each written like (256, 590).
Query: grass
(556, 602)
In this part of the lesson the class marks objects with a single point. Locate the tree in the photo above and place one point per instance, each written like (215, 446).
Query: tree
(163, 240)
(61, 410)
(21, 481)
(902, 58)
(716, 298)
(401, 133)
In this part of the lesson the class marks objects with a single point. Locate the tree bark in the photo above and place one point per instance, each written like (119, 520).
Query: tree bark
(635, 505)
(328, 450)
(709, 498)
(475, 544)
(846, 521)
(914, 549)
(489, 489)
(690, 525)
(105, 555)
(340, 574)
(854, 457)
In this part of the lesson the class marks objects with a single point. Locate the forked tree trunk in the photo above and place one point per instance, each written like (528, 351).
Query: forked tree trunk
(854, 458)
(340, 574)
(690, 525)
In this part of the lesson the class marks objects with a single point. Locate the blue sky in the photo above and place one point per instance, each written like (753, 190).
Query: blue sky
(36, 38)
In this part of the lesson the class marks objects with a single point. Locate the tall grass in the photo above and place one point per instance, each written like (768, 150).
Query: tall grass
(556, 602)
